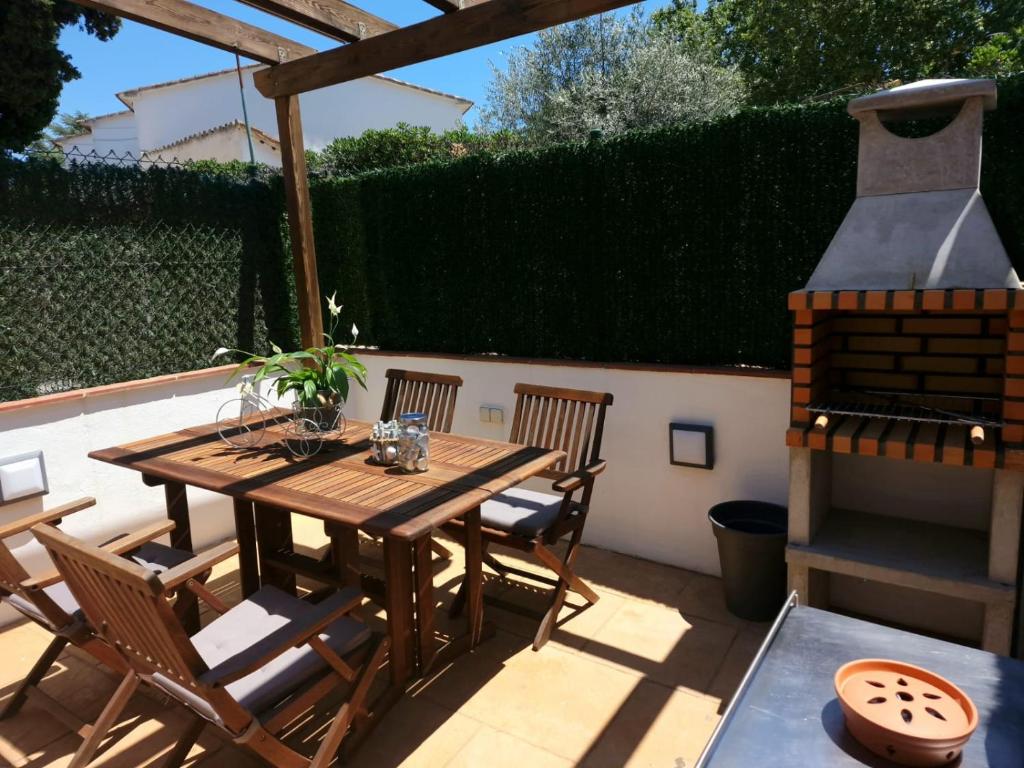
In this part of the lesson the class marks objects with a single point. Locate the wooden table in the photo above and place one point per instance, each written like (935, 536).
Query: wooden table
(340, 485)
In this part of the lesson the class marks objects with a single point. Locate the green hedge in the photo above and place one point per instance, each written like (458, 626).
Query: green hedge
(670, 246)
(110, 274)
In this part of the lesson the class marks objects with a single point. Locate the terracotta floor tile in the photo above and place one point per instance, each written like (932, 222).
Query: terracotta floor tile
(592, 694)
(416, 732)
(704, 597)
(657, 726)
(555, 699)
(734, 666)
(637, 579)
(577, 622)
(660, 643)
(495, 749)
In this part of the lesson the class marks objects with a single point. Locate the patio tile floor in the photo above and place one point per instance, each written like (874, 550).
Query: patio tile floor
(639, 679)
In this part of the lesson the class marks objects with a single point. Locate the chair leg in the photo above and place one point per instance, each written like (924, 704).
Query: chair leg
(459, 602)
(184, 745)
(566, 578)
(440, 550)
(564, 567)
(35, 676)
(332, 740)
(105, 721)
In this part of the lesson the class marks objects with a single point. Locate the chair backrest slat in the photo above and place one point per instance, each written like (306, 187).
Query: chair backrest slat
(430, 393)
(570, 420)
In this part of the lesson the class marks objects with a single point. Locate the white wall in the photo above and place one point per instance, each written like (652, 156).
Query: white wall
(230, 144)
(643, 505)
(66, 432)
(114, 133)
(167, 114)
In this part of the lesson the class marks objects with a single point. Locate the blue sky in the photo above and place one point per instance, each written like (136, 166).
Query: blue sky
(141, 55)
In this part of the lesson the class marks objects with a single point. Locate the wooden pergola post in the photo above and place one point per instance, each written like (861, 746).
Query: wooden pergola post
(300, 219)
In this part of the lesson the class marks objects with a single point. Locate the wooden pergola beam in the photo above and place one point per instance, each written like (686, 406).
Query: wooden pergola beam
(448, 6)
(451, 6)
(479, 25)
(333, 18)
(205, 26)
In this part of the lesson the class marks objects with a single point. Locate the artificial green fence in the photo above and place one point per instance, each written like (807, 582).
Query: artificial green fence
(670, 246)
(111, 274)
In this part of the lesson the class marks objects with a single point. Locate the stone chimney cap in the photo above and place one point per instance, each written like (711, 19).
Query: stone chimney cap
(931, 95)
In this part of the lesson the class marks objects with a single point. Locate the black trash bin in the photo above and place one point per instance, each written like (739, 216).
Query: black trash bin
(752, 550)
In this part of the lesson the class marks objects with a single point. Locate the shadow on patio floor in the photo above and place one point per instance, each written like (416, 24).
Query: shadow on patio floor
(639, 678)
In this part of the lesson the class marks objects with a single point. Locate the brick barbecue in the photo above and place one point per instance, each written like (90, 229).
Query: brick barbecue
(909, 344)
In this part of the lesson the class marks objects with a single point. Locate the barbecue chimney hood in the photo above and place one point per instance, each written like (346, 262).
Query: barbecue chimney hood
(919, 221)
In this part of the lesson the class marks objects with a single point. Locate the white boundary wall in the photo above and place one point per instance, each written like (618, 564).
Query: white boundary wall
(644, 506)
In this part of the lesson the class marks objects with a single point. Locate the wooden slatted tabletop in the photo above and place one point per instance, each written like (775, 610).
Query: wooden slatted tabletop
(339, 484)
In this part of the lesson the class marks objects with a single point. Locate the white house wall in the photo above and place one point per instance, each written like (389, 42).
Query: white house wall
(111, 134)
(230, 144)
(169, 113)
(116, 133)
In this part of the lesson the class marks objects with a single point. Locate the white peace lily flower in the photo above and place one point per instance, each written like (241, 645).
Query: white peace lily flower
(333, 308)
(220, 351)
(355, 331)
(277, 349)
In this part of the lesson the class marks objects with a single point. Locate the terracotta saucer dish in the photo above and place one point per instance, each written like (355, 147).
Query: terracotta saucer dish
(905, 713)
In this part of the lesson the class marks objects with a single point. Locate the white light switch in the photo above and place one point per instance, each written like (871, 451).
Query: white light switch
(485, 413)
(497, 415)
(22, 476)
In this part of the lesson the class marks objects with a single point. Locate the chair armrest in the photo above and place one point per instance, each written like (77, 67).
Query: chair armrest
(579, 478)
(174, 577)
(296, 633)
(120, 544)
(15, 527)
(126, 542)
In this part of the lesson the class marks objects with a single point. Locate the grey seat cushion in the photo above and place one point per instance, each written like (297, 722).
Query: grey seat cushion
(517, 510)
(155, 557)
(256, 626)
(59, 593)
(159, 557)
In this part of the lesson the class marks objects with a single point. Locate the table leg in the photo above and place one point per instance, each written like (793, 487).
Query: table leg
(345, 554)
(424, 575)
(176, 499)
(474, 577)
(398, 599)
(273, 534)
(248, 557)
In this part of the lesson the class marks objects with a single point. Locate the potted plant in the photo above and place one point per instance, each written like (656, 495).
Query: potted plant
(318, 376)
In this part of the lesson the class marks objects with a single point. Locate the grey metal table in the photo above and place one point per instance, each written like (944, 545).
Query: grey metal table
(785, 713)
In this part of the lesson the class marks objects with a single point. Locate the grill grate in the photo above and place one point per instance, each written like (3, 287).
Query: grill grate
(901, 411)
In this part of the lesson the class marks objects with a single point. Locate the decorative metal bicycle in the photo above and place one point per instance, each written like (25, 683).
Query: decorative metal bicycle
(242, 421)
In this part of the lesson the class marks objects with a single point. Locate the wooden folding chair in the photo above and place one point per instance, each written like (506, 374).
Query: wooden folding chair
(48, 602)
(416, 392)
(547, 417)
(251, 671)
(407, 392)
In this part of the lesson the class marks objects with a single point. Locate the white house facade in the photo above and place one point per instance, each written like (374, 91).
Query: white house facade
(201, 118)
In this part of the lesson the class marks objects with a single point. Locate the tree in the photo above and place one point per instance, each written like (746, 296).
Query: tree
(67, 124)
(33, 69)
(376, 149)
(609, 74)
(792, 50)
